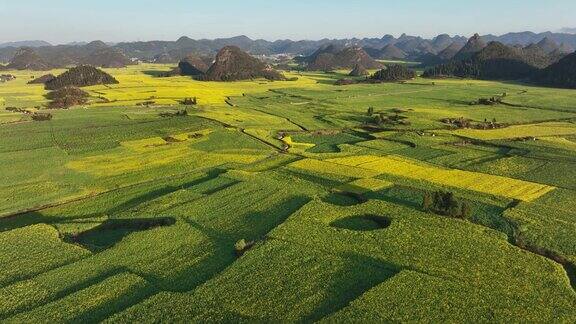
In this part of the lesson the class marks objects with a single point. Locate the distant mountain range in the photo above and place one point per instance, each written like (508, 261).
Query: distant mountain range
(34, 43)
(409, 47)
(568, 30)
(332, 57)
(544, 63)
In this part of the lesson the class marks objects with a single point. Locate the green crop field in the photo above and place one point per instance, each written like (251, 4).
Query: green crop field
(281, 202)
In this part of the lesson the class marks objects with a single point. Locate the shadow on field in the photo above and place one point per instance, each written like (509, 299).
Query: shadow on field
(344, 199)
(112, 231)
(325, 182)
(155, 73)
(87, 282)
(23, 220)
(126, 300)
(363, 223)
(250, 227)
(358, 275)
(399, 195)
(31, 218)
(450, 101)
(147, 197)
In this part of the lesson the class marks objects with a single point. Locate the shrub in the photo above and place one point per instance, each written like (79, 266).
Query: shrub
(458, 122)
(146, 103)
(179, 113)
(41, 116)
(190, 101)
(488, 101)
(343, 82)
(242, 246)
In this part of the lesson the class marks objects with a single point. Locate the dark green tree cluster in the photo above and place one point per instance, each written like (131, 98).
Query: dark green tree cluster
(497, 69)
(43, 79)
(233, 64)
(6, 77)
(393, 73)
(67, 97)
(445, 203)
(458, 122)
(41, 116)
(561, 74)
(179, 113)
(383, 119)
(495, 62)
(81, 76)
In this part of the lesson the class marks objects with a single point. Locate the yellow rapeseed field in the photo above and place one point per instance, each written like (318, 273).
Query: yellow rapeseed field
(136, 85)
(333, 168)
(297, 147)
(485, 183)
(519, 131)
(364, 185)
(156, 152)
(18, 93)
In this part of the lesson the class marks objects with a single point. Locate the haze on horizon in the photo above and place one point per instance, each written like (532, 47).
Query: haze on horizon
(66, 20)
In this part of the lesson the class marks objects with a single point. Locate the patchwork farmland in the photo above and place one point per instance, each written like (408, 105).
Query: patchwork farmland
(284, 201)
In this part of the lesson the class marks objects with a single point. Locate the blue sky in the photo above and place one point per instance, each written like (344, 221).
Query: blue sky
(61, 21)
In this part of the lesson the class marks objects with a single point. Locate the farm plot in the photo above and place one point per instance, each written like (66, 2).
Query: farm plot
(520, 131)
(485, 183)
(91, 304)
(326, 143)
(449, 253)
(435, 299)
(41, 251)
(365, 185)
(549, 227)
(334, 168)
(140, 211)
(185, 149)
(313, 284)
(138, 84)
(336, 274)
(17, 93)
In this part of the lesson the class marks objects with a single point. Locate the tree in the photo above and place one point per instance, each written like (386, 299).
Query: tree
(190, 101)
(427, 202)
(466, 211)
(445, 203)
(370, 111)
(242, 246)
